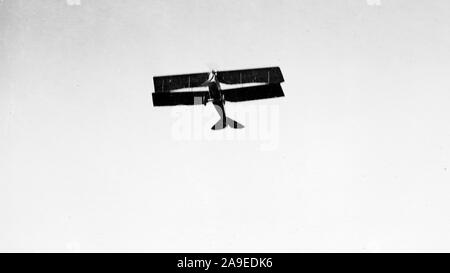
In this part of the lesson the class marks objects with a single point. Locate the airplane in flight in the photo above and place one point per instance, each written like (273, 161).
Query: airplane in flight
(222, 86)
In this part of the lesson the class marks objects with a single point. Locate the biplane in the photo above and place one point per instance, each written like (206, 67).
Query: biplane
(218, 87)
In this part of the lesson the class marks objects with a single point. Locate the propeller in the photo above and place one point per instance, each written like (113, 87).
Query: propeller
(211, 78)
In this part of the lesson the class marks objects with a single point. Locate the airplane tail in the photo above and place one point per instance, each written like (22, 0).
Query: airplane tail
(221, 124)
(234, 124)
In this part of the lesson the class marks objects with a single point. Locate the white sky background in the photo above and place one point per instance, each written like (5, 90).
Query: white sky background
(363, 156)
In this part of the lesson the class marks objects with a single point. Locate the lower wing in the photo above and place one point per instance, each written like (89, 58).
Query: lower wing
(258, 92)
(180, 98)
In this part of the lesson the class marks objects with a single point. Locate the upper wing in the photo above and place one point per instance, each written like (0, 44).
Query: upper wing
(172, 82)
(256, 75)
(258, 92)
(180, 98)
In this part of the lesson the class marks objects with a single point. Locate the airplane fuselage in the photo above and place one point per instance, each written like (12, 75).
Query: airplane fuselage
(215, 92)
(218, 100)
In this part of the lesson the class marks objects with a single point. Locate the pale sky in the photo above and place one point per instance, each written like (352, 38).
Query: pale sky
(361, 143)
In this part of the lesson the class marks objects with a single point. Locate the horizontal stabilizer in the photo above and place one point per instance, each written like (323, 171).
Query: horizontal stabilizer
(253, 93)
(180, 98)
(222, 123)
